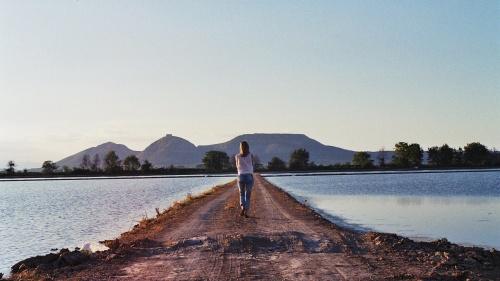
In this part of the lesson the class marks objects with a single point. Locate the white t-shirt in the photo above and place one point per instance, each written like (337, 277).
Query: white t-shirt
(244, 164)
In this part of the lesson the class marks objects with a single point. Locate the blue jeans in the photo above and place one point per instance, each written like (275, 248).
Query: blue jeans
(245, 184)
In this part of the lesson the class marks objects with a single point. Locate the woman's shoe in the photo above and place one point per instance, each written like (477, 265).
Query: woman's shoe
(245, 214)
(242, 213)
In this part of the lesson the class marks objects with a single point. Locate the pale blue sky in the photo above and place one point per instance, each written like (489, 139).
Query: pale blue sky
(360, 75)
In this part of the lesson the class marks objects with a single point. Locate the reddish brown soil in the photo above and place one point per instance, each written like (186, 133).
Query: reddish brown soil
(206, 239)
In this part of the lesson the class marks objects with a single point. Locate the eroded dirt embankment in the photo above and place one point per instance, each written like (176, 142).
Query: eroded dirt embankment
(204, 238)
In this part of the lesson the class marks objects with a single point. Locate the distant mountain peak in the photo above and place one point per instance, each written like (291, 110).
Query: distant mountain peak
(173, 150)
(75, 160)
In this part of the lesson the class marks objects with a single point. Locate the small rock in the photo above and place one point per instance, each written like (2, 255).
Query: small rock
(112, 244)
(470, 262)
(451, 262)
(57, 264)
(110, 257)
(64, 250)
(33, 262)
(73, 258)
(43, 267)
(478, 257)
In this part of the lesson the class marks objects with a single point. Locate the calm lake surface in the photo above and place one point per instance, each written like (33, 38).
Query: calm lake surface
(37, 216)
(462, 206)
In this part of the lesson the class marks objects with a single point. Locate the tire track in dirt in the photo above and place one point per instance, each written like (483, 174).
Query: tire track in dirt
(326, 249)
(198, 223)
(279, 241)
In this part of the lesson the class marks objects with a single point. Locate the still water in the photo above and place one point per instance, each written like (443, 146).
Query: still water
(463, 207)
(37, 216)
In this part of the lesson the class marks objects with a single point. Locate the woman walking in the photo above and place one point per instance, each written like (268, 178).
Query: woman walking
(244, 164)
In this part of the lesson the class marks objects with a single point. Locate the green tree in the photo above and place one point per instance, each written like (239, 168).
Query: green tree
(445, 155)
(407, 155)
(440, 156)
(458, 157)
(362, 159)
(299, 159)
(10, 167)
(66, 169)
(86, 162)
(476, 154)
(401, 155)
(416, 154)
(382, 157)
(96, 163)
(131, 163)
(276, 164)
(49, 167)
(112, 162)
(433, 155)
(256, 161)
(216, 160)
(495, 157)
(146, 166)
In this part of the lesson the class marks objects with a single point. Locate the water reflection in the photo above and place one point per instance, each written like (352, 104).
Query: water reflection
(409, 201)
(461, 220)
(37, 216)
(463, 207)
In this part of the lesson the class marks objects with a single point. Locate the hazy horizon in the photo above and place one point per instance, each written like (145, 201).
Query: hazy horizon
(359, 75)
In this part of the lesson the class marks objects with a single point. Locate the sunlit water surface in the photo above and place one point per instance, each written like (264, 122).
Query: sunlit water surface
(463, 207)
(37, 216)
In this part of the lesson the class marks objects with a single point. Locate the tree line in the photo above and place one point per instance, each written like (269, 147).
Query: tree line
(412, 155)
(404, 156)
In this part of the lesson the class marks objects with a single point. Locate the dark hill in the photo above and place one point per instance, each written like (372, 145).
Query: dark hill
(267, 146)
(171, 150)
(176, 151)
(76, 160)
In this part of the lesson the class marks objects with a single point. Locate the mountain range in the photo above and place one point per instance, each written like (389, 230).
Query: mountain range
(171, 150)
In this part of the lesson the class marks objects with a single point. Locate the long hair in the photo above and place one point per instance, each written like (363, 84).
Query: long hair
(244, 149)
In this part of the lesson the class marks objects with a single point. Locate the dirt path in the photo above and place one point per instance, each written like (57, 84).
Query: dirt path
(215, 243)
(281, 240)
